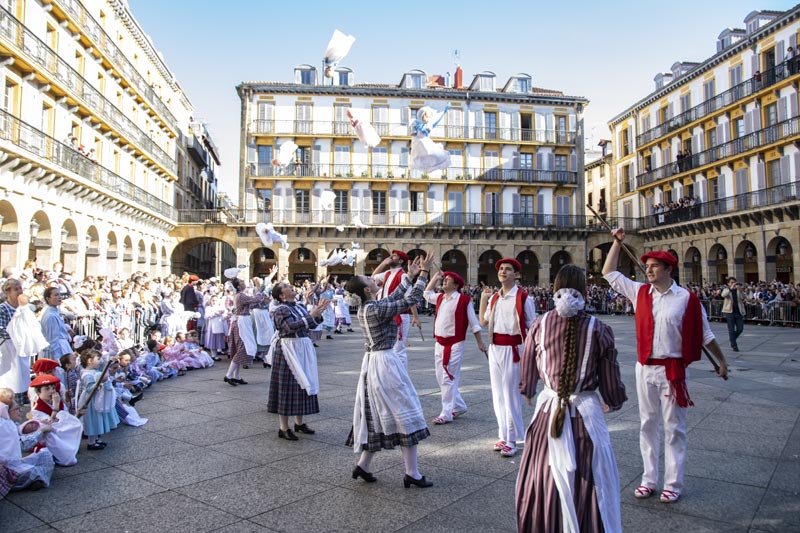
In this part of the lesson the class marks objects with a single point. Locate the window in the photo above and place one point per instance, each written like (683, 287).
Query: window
(417, 201)
(341, 161)
(561, 128)
(709, 91)
(307, 77)
(303, 118)
(561, 162)
(380, 161)
(455, 123)
(490, 161)
(340, 203)
(737, 128)
(663, 115)
(264, 157)
(456, 162)
(265, 113)
(414, 81)
(773, 173)
(380, 119)
(526, 167)
(646, 123)
(625, 141)
(735, 75)
(523, 85)
(341, 124)
(771, 115)
(603, 170)
(490, 125)
(378, 202)
(711, 138)
(487, 83)
(344, 77)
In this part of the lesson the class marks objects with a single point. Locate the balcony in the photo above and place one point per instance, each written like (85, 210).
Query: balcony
(397, 130)
(334, 170)
(105, 44)
(196, 151)
(39, 144)
(752, 141)
(731, 96)
(31, 49)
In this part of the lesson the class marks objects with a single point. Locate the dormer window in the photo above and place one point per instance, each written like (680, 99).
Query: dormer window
(344, 76)
(487, 83)
(305, 75)
(523, 85)
(415, 81)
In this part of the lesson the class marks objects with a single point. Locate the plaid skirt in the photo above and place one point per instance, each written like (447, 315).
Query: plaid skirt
(285, 395)
(238, 350)
(379, 441)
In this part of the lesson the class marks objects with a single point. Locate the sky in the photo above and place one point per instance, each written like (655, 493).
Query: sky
(607, 52)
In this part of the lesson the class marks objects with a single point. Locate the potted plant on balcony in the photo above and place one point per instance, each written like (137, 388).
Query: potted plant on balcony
(424, 176)
(350, 174)
(380, 175)
(364, 174)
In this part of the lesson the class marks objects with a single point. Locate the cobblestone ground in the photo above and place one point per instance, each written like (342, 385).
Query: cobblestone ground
(209, 458)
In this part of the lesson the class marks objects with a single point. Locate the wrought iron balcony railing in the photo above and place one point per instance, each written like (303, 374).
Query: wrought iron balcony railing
(751, 141)
(38, 143)
(104, 43)
(520, 175)
(397, 130)
(732, 95)
(30, 47)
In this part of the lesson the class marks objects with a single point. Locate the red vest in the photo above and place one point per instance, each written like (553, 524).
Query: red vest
(461, 328)
(502, 339)
(44, 407)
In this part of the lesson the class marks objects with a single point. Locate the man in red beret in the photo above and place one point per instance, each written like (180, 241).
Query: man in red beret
(509, 314)
(388, 276)
(671, 330)
(454, 313)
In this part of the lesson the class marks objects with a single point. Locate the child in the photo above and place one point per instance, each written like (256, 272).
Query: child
(69, 375)
(173, 356)
(192, 345)
(124, 340)
(149, 362)
(64, 439)
(32, 472)
(99, 415)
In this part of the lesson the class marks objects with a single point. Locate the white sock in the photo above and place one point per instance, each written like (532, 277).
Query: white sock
(410, 461)
(365, 460)
(233, 370)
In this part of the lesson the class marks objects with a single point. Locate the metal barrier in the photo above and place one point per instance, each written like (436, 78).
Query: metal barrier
(775, 313)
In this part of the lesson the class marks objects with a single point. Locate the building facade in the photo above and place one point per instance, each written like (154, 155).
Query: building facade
(91, 125)
(512, 188)
(707, 166)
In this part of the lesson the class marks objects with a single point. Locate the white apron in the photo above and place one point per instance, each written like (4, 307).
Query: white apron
(301, 357)
(245, 324)
(264, 327)
(64, 440)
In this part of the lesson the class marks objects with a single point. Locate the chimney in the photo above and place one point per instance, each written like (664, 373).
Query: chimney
(457, 78)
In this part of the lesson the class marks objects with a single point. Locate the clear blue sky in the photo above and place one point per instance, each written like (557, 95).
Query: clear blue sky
(607, 51)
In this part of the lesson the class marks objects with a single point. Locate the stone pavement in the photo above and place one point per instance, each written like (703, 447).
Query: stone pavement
(209, 459)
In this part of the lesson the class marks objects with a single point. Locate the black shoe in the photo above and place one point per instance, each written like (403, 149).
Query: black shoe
(94, 447)
(267, 365)
(217, 358)
(359, 472)
(303, 428)
(288, 435)
(135, 399)
(338, 332)
(101, 443)
(350, 330)
(735, 348)
(329, 337)
(245, 366)
(36, 485)
(316, 345)
(240, 381)
(230, 381)
(421, 482)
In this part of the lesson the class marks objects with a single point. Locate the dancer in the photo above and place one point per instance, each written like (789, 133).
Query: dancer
(671, 330)
(568, 479)
(454, 313)
(241, 338)
(509, 314)
(387, 411)
(427, 155)
(388, 281)
(294, 384)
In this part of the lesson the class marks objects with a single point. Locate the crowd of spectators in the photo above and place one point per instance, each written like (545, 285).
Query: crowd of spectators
(685, 208)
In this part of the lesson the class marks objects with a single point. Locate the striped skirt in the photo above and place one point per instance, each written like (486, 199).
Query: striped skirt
(285, 395)
(238, 350)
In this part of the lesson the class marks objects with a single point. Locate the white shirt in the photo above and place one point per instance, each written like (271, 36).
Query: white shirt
(668, 310)
(386, 278)
(505, 316)
(445, 325)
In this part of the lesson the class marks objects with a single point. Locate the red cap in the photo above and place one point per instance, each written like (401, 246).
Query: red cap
(513, 262)
(401, 253)
(44, 379)
(193, 278)
(44, 365)
(661, 255)
(455, 277)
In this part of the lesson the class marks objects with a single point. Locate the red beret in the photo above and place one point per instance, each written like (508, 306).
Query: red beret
(44, 365)
(661, 255)
(44, 379)
(401, 253)
(455, 277)
(513, 262)
(193, 278)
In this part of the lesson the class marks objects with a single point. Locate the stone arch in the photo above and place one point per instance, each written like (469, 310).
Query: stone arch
(717, 264)
(141, 256)
(9, 235)
(153, 260)
(412, 254)
(342, 271)
(779, 260)
(529, 276)
(558, 260)
(374, 258)
(455, 261)
(68, 253)
(676, 275)
(261, 261)
(302, 265)
(745, 262)
(41, 239)
(91, 256)
(183, 259)
(486, 271)
(693, 265)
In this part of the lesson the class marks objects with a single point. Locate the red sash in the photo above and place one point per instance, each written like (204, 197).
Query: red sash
(461, 328)
(520, 306)
(44, 407)
(691, 342)
(501, 339)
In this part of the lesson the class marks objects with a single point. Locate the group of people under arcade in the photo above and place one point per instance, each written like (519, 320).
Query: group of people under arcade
(568, 478)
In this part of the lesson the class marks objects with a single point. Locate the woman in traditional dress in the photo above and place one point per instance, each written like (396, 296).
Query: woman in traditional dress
(294, 383)
(20, 338)
(568, 479)
(387, 412)
(427, 155)
(242, 338)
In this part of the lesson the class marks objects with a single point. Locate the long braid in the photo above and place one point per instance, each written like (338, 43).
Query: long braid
(566, 383)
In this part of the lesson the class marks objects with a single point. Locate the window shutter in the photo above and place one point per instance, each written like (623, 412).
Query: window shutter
(780, 48)
(720, 134)
(793, 42)
(782, 108)
(760, 176)
(753, 64)
(252, 156)
(405, 114)
(695, 144)
(404, 207)
(551, 161)
(515, 204)
(756, 119)
(792, 106)
(784, 177)
(404, 156)
(571, 122)
(670, 110)
(748, 122)
(796, 167)
(431, 200)
(573, 163)
(539, 161)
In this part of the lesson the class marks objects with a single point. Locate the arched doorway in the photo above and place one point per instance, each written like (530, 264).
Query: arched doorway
(455, 261)
(68, 253)
(692, 265)
(342, 271)
(127, 256)
(594, 263)
(153, 260)
(302, 266)
(112, 254)
(9, 234)
(41, 241)
(91, 262)
(717, 264)
(416, 252)
(746, 262)
(780, 263)
(261, 261)
(374, 258)
(141, 257)
(486, 272)
(201, 256)
(529, 276)
(558, 260)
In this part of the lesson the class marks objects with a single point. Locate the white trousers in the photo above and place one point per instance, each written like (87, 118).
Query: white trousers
(655, 403)
(400, 344)
(507, 400)
(451, 398)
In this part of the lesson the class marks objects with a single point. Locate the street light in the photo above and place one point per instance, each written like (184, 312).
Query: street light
(34, 229)
(64, 234)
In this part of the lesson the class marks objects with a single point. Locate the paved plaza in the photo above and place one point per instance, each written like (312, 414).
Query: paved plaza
(209, 458)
